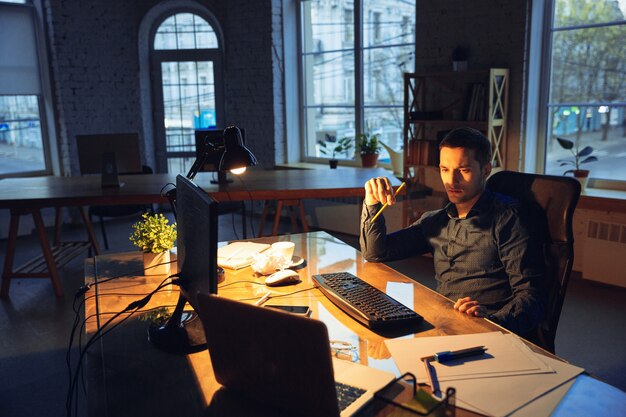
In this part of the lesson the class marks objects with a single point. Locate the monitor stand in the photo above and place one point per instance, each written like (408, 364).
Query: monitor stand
(182, 333)
(109, 177)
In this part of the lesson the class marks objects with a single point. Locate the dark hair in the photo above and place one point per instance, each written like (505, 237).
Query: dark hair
(468, 138)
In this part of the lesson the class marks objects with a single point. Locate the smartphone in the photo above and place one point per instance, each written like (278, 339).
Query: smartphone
(299, 310)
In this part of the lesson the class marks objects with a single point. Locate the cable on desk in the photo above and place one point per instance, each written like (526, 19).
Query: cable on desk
(132, 308)
(278, 295)
(239, 282)
(245, 186)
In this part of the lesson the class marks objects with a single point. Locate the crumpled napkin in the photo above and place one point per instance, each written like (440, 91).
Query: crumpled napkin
(268, 262)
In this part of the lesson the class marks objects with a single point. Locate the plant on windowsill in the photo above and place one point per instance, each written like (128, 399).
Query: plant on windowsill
(155, 237)
(580, 156)
(341, 145)
(369, 148)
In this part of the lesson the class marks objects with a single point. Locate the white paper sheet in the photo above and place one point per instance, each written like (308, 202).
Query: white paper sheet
(502, 396)
(505, 355)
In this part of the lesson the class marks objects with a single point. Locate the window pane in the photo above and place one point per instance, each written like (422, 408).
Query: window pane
(21, 145)
(587, 92)
(327, 27)
(189, 103)
(388, 23)
(387, 124)
(185, 31)
(601, 127)
(589, 65)
(329, 78)
(383, 69)
(329, 124)
(585, 12)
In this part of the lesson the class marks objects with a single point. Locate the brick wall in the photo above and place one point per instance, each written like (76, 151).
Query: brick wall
(494, 31)
(95, 70)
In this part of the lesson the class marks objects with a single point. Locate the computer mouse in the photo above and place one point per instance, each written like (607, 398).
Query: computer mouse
(282, 277)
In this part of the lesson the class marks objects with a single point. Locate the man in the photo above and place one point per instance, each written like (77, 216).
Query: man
(484, 257)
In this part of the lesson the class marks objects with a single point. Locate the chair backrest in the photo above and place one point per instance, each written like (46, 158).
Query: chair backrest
(550, 202)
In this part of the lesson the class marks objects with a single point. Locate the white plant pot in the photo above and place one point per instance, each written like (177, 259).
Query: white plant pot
(151, 260)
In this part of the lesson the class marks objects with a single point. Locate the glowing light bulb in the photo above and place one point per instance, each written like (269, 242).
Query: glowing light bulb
(238, 171)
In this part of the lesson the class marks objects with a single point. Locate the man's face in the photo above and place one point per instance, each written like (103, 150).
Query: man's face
(462, 175)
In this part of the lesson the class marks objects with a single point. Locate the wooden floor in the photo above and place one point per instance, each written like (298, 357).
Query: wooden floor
(34, 325)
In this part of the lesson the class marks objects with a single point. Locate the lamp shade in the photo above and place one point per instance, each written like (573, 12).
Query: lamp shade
(236, 155)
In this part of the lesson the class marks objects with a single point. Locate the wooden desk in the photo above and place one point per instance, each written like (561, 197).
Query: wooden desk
(29, 195)
(127, 376)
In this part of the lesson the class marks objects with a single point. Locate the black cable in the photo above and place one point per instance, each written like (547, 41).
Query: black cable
(279, 295)
(101, 332)
(239, 282)
(245, 186)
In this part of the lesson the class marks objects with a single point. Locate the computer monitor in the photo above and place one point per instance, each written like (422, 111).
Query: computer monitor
(125, 146)
(196, 224)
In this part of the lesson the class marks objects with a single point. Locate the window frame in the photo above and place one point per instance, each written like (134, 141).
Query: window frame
(537, 103)
(360, 107)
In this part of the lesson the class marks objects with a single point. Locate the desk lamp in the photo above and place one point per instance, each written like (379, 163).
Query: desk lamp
(231, 156)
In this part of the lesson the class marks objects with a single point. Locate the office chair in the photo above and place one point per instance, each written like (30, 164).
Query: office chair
(119, 211)
(550, 201)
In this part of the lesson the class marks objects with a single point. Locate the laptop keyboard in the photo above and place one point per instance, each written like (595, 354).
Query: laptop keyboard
(365, 303)
(347, 394)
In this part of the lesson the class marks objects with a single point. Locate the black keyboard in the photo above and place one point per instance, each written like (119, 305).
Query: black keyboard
(347, 394)
(365, 303)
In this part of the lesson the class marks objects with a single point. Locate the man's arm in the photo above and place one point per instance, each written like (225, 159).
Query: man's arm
(523, 261)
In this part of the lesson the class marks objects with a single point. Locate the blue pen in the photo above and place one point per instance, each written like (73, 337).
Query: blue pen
(458, 354)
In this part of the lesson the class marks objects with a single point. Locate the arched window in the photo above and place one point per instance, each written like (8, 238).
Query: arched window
(185, 72)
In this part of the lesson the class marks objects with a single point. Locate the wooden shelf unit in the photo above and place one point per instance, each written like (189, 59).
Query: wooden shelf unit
(435, 103)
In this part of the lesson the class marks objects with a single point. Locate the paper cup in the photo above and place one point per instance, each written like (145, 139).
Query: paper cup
(285, 250)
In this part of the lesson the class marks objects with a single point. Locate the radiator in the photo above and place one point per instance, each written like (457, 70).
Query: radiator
(604, 258)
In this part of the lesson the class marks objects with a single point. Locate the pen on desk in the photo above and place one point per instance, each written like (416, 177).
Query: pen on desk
(432, 381)
(451, 355)
(385, 205)
(263, 299)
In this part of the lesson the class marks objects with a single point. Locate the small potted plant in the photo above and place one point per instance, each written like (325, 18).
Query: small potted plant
(155, 237)
(581, 156)
(341, 145)
(369, 148)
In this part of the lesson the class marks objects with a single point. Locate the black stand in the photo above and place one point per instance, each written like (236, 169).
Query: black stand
(221, 178)
(183, 333)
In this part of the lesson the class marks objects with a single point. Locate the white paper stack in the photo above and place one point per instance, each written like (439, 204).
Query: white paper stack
(238, 255)
(505, 378)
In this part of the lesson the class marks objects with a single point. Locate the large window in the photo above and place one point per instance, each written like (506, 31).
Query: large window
(353, 55)
(22, 149)
(187, 58)
(587, 94)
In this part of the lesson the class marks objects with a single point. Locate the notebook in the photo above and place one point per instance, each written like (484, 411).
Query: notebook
(281, 359)
(238, 255)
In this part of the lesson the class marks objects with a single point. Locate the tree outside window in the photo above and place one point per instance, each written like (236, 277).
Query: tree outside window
(587, 102)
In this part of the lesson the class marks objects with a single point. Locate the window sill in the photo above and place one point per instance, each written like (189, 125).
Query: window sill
(603, 200)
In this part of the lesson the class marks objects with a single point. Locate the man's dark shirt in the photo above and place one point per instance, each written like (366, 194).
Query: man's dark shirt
(488, 256)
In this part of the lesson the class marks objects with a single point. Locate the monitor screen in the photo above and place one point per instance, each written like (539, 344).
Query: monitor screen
(196, 221)
(214, 137)
(124, 145)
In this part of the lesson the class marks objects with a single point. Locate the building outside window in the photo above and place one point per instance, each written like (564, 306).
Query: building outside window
(587, 94)
(370, 43)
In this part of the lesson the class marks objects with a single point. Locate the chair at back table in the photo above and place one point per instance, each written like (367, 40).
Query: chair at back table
(551, 201)
(119, 211)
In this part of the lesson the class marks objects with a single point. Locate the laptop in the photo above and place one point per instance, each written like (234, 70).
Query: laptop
(282, 359)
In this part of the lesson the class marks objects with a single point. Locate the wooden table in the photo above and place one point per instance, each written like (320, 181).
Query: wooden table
(24, 196)
(128, 376)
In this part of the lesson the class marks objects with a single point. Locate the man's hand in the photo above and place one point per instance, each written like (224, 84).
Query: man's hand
(468, 306)
(378, 190)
